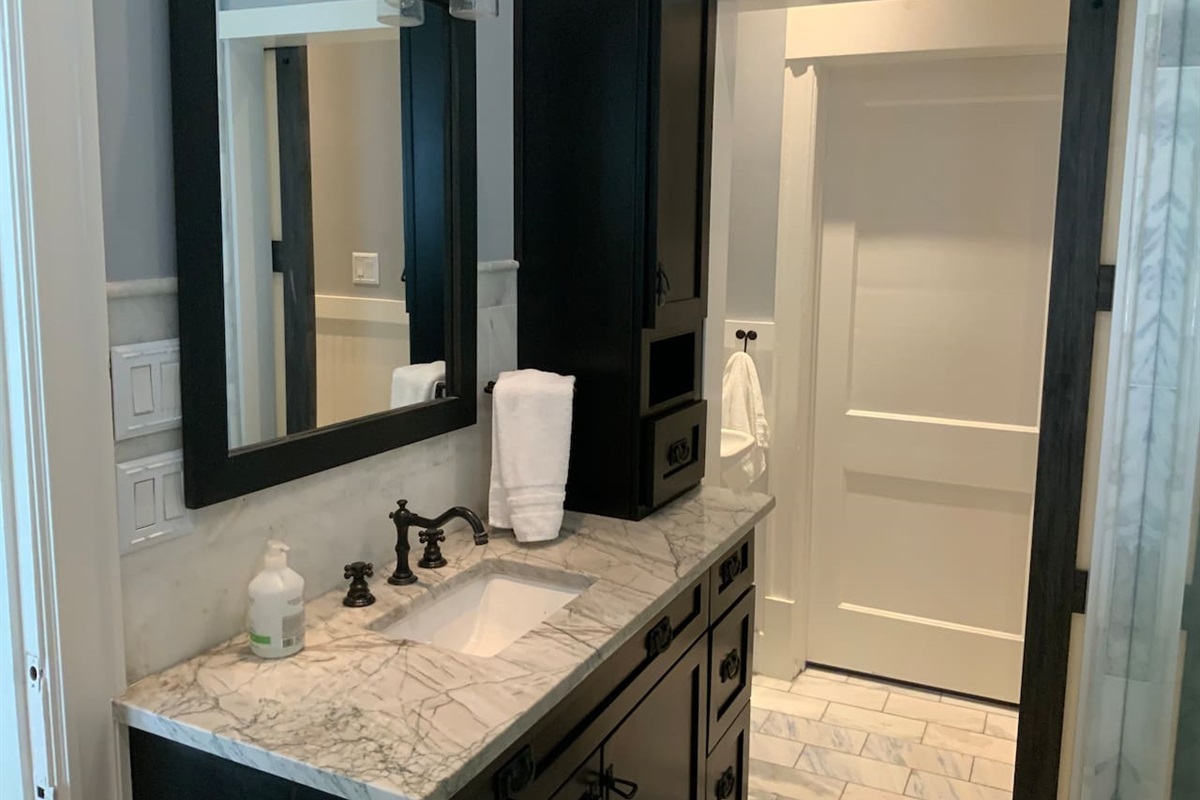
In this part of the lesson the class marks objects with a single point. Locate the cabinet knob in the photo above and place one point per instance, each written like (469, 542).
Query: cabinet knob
(731, 666)
(679, 453)
(726, 784)
(516, 775)
(730, 569)
(659, 638)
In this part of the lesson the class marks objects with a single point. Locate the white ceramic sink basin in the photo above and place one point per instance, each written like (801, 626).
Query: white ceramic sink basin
(734, 445)
(485, 614)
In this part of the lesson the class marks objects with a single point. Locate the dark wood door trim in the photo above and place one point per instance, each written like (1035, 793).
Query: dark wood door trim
(1074, 300)
(294, 257)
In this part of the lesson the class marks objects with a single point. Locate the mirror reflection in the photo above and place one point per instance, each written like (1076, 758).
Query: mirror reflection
(331, 312)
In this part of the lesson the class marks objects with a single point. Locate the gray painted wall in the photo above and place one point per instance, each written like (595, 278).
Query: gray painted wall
(758, 124)
(494, 111)
(133, 84)
(133, 90)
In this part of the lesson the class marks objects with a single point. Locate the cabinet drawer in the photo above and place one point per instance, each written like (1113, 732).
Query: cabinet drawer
(674, 456)
(731, 576)
(728, 776)
(731, 655)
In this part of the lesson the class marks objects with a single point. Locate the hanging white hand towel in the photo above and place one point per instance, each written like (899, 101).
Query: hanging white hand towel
(743, 410)
(417, 383)
(531, 451)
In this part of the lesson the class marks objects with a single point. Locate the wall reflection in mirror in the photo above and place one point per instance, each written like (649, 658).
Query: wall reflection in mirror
(331, 313)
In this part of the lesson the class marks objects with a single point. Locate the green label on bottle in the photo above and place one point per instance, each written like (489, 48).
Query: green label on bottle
(258, 638)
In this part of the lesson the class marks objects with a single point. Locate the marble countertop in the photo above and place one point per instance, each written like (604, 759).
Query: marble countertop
(360, 716)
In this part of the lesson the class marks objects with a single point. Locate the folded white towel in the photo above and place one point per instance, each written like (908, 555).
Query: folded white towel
(531, 450)
(743, 409)
(417, 383)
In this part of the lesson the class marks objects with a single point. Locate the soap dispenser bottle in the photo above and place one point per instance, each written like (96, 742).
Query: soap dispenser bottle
(276, 606)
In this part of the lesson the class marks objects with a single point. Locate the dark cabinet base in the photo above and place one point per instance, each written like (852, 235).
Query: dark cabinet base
(166, 770)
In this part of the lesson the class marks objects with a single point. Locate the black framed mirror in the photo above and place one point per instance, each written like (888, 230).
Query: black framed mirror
(325, 204)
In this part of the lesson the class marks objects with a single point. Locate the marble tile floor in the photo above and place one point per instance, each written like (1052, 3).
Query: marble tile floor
(829, 736)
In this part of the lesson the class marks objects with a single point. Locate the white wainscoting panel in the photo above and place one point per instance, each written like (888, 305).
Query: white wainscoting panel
(360, 341)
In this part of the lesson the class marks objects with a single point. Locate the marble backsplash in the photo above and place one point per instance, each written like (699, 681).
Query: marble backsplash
(185, 595)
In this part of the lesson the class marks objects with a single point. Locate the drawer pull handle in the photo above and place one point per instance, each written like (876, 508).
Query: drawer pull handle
(662, 286)
(730, 569)
(619, 787)
(726, 784)
(679, 453)
(659, 638)
(516, 775)
(731, 666)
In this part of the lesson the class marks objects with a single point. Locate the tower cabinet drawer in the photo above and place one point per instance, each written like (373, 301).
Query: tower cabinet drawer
(730, 656)
(674, 454)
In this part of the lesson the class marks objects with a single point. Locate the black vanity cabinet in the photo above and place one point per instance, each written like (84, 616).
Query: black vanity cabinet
(614, 119)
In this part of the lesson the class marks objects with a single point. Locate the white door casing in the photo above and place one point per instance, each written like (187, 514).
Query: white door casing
(938, 214)
(59, 506)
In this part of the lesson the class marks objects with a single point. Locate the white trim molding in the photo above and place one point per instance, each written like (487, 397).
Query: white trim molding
(362, 309)
(143, 287)
(58, 421)
(507, 265)
(783, 648)
(946, 28)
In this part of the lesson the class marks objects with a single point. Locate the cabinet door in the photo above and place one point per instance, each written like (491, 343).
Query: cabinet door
(729, 762)
(657, 753)
(680, 153)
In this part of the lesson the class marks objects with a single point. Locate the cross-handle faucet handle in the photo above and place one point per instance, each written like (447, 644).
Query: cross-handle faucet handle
(359, 595)
(432, 535)
(359, 570)
(432, 539)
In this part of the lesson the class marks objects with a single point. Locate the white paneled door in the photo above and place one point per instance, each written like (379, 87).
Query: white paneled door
(938, 213)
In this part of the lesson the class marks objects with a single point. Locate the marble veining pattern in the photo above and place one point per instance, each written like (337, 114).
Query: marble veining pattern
(360, 716)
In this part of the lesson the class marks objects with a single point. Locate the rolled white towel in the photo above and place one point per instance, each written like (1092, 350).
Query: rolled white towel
(531, 452)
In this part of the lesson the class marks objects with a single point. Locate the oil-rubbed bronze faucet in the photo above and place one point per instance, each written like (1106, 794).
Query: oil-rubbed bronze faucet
(405, 519)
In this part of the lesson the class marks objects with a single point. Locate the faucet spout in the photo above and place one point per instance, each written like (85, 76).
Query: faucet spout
(472, 519)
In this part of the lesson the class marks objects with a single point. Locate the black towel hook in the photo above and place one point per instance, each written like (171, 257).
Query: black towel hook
(746, 337)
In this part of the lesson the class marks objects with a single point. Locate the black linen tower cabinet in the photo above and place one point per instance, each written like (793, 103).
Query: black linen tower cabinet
(614, 140)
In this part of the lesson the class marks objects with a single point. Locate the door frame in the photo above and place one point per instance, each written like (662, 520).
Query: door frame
(1073, 305)
(57, 458)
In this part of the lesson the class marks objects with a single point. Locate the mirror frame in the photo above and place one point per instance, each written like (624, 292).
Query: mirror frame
(212, 472)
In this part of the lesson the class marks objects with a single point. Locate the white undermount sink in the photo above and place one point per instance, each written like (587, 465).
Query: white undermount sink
(734, 445)
(486, 613)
